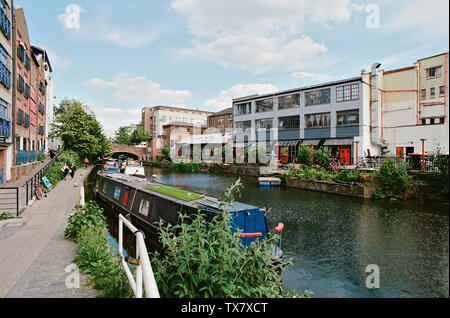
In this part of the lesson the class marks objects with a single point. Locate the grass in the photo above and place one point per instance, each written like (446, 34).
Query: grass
(174, 192)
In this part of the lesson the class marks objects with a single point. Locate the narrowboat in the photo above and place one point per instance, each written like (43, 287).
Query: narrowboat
(145, 202)
(133, 168)
(111, 165)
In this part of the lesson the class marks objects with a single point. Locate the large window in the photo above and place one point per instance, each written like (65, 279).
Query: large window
(350, 117)
(243, 125)
(321, 120)
(264, 123)
(242, 109)
(289, 101)
(347, 93)
(5, 73)
(265, 105)
(434, 72)
(291, 122)
(318, 97)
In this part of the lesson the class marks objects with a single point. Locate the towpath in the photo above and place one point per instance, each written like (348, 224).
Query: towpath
(34, 255)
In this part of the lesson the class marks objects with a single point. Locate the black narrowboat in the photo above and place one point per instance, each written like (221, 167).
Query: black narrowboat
(145, 202)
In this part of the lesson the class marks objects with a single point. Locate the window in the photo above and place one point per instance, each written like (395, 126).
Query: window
(432, 92)
(220, 120)
(291, 122)
(289, 101)
(5, 24)
(441, 91)
(347, 93)
(265, 105)
(318, 120)
(211, 121)
(105, 187)
(318, 97)
(434, 72)
(230, 118)
(424, 94)
(117, 192)
(433, 121)
(242, 109)
(399, 151)
(5, 73)
(345, 118)
(144, 208)
(243, 125)
(126, 194)
(264, 123)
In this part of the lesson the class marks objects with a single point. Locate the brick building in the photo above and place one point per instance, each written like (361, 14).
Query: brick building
(29, 97)
(6, 67)
(221, 120)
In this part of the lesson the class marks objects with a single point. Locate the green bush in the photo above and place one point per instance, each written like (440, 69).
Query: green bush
(347, 176)
(204, 259)
(394, 180)
(89, 216)
(321, 157)
(88, 228)
(304, 155)
(191, 167)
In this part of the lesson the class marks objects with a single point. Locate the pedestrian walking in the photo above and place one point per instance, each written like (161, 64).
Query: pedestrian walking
(86, 162)
(73, 168)
(65, 169)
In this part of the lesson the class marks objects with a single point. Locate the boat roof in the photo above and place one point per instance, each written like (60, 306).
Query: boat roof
(178, 195)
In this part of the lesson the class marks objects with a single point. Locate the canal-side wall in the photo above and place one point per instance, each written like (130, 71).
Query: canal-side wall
(349, 189)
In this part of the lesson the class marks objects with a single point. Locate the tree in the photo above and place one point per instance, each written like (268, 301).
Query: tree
(133, 134)
(78, 128)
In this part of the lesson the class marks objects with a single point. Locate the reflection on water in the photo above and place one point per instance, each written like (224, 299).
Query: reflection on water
(331, 239)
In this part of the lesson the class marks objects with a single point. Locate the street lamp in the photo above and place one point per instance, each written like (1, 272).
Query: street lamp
(423, 154)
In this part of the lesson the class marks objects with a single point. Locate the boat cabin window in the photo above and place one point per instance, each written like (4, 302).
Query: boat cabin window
(105, 187)
(144, 207)
(117, 192)
(126, 193)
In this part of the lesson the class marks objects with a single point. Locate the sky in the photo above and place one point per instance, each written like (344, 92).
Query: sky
(120, 56)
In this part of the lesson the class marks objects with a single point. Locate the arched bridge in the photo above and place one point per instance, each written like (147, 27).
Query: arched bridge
(129, 151)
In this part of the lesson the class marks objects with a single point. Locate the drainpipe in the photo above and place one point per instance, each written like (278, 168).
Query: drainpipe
(375, 106)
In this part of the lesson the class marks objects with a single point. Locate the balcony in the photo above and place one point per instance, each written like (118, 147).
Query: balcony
(5, 76)
(5, 25)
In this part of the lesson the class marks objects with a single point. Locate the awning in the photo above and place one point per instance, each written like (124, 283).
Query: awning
(338, 142)
(313, 142)
(288, 143)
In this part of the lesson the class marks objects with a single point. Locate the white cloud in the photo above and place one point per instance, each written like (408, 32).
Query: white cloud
(258, 35)
(225, 97)
(70, 19)
(138, 89)
(111, 118)
(315, 76)
(58, 62)
(424, 18)
(104, 26)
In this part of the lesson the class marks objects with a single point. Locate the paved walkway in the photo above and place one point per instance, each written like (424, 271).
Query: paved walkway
(33, 252)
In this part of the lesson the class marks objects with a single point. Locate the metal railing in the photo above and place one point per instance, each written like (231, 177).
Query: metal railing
(9, 200)
(144, 272)
(36, 179)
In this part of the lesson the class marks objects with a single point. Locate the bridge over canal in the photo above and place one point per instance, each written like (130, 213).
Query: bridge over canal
(133, 151)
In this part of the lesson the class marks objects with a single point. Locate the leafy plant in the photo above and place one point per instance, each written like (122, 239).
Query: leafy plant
(88, 228)
(304, 155)
(394, 179)
(89, 216)
(321, 157)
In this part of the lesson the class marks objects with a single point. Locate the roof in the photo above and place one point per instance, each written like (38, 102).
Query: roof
(305, 88)
(155, 108)
(223, 112)
(184, 124)
(42, 51)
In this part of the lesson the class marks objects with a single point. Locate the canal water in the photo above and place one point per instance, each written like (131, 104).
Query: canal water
(332, 239)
